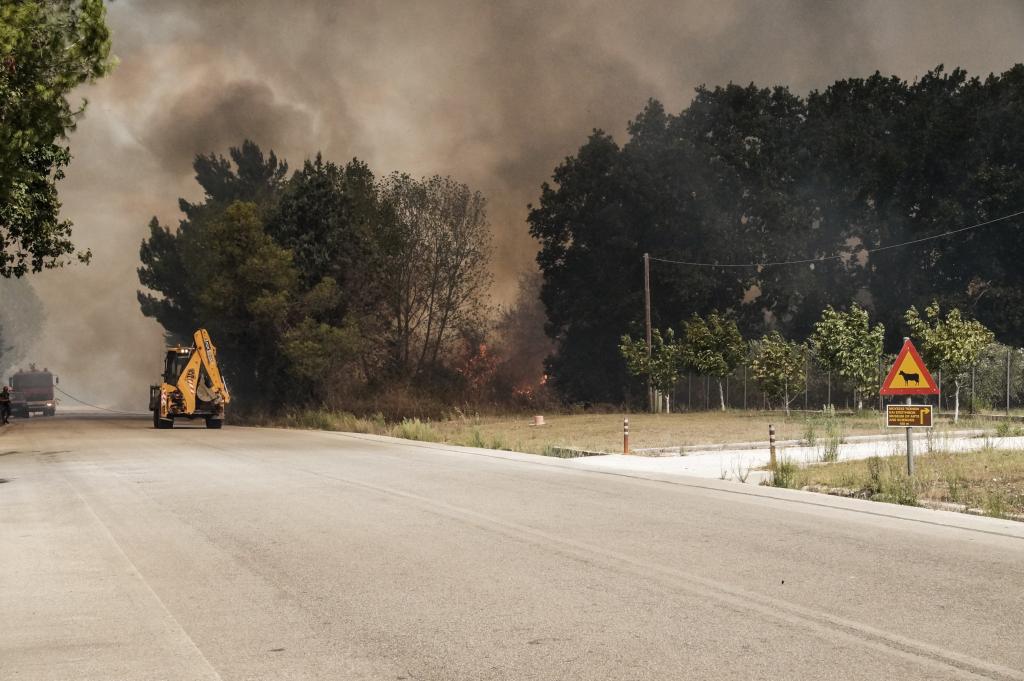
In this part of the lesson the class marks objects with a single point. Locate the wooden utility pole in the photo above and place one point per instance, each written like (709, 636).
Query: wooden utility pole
(647, 319)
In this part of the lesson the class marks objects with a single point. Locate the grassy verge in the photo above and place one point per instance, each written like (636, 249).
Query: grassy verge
(601, 432)
(423, 430)
(988, 482)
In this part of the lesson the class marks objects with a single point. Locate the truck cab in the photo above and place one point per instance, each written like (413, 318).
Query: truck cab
(32, 392)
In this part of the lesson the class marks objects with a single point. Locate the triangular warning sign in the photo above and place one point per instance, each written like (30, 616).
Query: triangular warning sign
(909, 375)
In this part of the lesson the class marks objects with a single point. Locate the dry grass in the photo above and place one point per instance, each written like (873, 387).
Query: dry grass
(601, 432)
(988, 481)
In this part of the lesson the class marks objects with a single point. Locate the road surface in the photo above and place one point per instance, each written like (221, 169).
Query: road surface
(131, 554)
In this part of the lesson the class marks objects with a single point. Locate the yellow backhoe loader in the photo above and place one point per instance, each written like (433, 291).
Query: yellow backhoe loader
(192, 386)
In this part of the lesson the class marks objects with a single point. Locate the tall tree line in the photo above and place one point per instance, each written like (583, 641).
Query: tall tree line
(323, 283)
(762, 175)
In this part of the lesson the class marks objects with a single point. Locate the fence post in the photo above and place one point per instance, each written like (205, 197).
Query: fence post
(910, 447)
(807, 379)
(1009, 354)
(972, 390)
(881, 407)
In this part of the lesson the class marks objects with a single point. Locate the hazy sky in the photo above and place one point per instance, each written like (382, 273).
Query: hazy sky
(494, 94)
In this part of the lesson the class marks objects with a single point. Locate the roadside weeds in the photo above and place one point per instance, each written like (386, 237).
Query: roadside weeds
(986, 482)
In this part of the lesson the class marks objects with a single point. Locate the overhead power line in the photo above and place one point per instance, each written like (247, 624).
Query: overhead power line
(96, 406)
(826, 258)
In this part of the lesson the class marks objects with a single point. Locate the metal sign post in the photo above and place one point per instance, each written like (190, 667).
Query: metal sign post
(910, 447)
(909, 416)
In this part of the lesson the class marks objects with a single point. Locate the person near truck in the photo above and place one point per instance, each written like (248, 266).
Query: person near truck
(5, 405)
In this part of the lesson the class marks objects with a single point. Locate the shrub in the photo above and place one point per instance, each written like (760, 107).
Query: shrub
(875, 474)
(476, 439)
(784, 474)
(811, 432)
(1007, 429)
(888, 482)
(414, 429)
(994, 503)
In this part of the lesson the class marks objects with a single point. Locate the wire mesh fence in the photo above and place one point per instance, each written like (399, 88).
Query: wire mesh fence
(994, 385)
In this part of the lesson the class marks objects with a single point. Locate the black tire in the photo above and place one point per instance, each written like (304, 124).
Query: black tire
(161, 424)
(214, 423)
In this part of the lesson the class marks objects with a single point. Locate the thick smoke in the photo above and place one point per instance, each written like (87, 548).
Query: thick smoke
(495, 94)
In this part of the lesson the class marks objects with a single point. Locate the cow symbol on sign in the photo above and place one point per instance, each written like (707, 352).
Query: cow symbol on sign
(910, 378)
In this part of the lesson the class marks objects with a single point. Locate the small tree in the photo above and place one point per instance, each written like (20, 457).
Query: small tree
(953, 344)
(662, 367)
(777, 365)
(713, 347)
(846, 344)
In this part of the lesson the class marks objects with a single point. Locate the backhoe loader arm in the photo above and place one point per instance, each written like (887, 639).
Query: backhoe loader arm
(208, 354)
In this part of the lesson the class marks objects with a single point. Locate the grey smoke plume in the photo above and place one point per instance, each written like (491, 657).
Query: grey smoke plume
(494, 94)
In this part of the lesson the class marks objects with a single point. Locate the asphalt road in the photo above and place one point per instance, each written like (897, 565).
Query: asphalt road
(128, 553)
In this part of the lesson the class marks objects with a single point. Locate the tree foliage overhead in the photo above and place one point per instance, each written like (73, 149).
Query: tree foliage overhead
(47, 48)
(761, 175)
